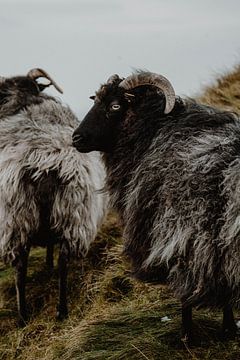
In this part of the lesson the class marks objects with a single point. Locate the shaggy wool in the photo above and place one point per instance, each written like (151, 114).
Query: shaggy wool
(40, 171)
(174, 179)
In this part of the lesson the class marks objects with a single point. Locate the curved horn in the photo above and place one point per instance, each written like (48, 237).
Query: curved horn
(37, 73)
(147, 78)
(112, 79)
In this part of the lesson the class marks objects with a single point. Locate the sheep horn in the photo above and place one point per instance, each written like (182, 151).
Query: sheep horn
(147, 78)
(37, 73)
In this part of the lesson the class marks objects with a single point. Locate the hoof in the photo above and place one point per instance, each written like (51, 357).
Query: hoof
(187, 339)
(62, 314)
(22, 321)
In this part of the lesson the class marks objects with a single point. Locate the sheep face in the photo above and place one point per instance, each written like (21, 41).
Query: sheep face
(117, 105)
(99, 129)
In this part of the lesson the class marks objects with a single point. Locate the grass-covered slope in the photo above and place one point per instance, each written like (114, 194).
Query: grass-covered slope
(225, 93)
(112, 317)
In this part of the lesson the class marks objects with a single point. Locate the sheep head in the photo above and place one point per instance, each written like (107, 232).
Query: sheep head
(112, 104)
(20, 91)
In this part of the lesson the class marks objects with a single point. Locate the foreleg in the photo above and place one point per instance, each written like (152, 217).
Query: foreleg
(62, 310)
(229, 326)
(49, 257)
(187, 324)
(20, 264)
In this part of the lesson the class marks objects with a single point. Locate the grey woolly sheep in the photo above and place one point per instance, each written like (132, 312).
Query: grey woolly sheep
(173, 173)
(49, 193)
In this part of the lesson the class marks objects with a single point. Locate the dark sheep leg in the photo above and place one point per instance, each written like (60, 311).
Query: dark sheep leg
(49, 257)
(229, 326)
(187, 324)
(21, 272)
(62, 310)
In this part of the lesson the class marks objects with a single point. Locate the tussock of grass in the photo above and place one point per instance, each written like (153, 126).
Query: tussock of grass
(112, 317)
(225, 93)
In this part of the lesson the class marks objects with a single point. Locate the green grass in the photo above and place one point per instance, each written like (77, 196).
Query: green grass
(112, 317)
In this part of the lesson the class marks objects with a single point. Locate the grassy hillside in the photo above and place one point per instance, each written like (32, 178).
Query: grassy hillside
(112, 317)
(225, 93)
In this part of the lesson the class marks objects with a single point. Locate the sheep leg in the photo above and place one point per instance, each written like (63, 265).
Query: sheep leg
(62, 310)
(49, 257)
(186, 324)
(20, 282)
(229, 326)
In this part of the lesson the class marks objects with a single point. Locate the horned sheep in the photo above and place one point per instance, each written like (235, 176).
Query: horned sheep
(49, 193)
(173, 173)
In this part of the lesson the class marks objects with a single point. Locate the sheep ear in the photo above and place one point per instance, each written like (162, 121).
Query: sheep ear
(92, 97)
(42, 86)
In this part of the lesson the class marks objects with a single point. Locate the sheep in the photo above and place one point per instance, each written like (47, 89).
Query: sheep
(49, 193)
(173, 174)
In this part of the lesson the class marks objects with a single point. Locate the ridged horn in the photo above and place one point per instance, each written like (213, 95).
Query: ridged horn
(34, 74)
(147, 78)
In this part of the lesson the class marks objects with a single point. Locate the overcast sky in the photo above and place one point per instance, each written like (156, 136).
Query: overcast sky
(82, 42)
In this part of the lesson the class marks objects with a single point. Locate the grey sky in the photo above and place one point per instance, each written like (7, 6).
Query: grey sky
(82, 42)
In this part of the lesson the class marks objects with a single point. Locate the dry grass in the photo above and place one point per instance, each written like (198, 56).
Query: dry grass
(112, 317)
(225, 93)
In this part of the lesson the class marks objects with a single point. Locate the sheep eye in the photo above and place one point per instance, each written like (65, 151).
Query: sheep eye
(115, 107)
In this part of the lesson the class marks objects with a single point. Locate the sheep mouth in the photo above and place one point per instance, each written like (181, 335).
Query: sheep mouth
(81, 148)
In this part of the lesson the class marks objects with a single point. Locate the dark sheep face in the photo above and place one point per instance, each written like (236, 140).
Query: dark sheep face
(118, 104)
(99, 129)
